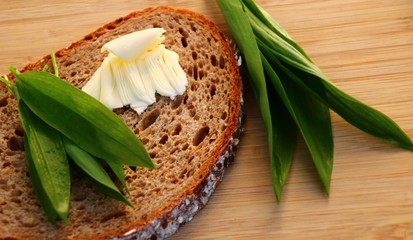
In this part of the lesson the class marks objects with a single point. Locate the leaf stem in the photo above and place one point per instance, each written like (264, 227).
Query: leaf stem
(54, 64)
(10, 85)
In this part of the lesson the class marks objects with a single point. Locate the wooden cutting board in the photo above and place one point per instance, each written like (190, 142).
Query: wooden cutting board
(365, 47)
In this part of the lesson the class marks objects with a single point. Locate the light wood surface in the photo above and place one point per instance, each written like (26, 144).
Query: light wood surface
(366, 49)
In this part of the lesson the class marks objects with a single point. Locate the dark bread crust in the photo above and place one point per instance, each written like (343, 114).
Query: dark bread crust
(205, 139)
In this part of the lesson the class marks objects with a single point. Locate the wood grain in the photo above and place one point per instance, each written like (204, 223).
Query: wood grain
(366, 49)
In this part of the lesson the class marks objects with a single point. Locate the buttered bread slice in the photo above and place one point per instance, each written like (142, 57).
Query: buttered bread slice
(191, 138)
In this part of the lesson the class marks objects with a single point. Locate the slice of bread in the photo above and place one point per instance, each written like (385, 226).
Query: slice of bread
(191, 139)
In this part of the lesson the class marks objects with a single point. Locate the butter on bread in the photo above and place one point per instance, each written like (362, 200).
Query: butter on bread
(191, 139)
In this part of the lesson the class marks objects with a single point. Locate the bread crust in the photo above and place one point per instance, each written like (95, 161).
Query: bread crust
(180, 208)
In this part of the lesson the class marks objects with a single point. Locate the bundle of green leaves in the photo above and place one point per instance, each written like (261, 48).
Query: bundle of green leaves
(293, 93)
(63, 123)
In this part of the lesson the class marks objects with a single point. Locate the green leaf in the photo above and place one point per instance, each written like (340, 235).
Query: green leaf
(309, 76)
(312, 118)
(117, 169)
(352, 110)
(302, 87)
(40, 193)
(92, 167)
(282, 49)
(284, 138)
(97, 129)
(242, 32)
(253, 10)
(47, 158)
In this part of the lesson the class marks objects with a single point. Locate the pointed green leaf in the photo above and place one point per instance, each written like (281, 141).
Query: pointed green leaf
(117, 169)
(97, 129)
(352, 110)
(255, 11)
(92, 167)
(48, 159)
(284, 139)
(312, 118)
(309, 76)
(243, 34)
(40, 193)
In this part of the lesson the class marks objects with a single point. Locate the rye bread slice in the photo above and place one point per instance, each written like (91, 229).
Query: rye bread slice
(191, 139)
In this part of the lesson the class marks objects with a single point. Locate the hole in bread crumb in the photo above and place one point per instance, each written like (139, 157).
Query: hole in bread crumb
(177, 129)
(185, 146)
(195, 72)
(183, 32)
(224, 115)
(191, 159)
(72, 74)
(16, 144)
(144, 140)
(214, 61)
(184, 42)
(212, 90)
(3, 102)
(200, 136)
(189, 72)
(177, 102)
(223, 127)
(194, 55)
(192, 112)
(152, 154)
(201, 74)
(150, 119)
(222, 62)
(193, 28)
(163, 139)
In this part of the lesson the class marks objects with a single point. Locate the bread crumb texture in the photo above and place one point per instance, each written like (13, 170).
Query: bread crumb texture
(185, 137)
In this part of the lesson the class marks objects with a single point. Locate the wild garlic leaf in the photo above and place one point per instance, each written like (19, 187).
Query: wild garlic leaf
(94, 170)
(47, 156)
(117, 169)
(39, 191)
(301, 86)
(98, 130)
(312, 119)
(284, 139)
(355, 112)
(242, 32)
